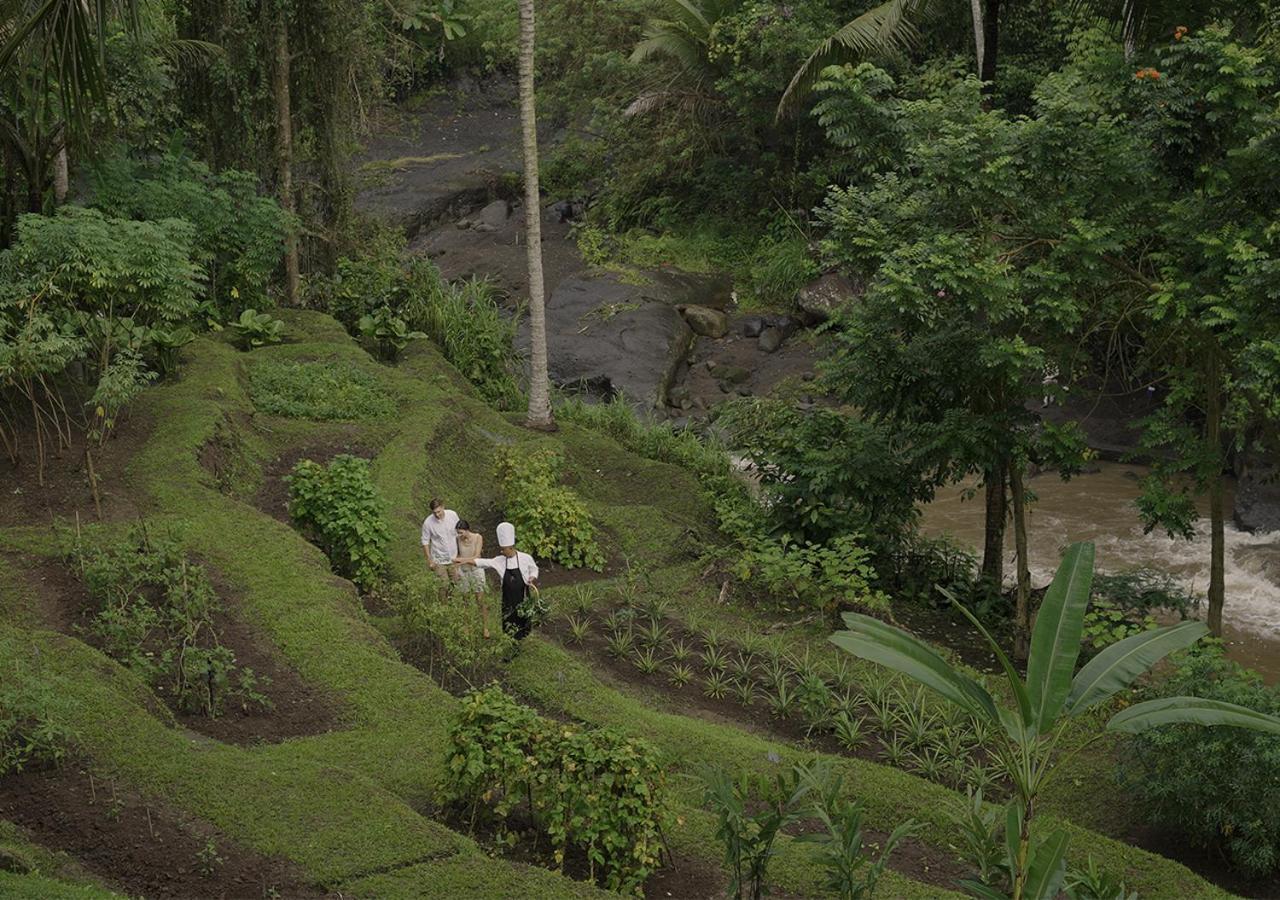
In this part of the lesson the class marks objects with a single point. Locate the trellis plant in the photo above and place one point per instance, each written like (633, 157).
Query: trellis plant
(1027, 735)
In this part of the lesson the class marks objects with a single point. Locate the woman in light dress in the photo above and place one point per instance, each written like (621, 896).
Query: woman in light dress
(471, 578)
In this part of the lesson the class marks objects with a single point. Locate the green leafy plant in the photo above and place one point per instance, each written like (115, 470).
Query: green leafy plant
(254, 329)
(329, 391)
(341, 510)
(387, 332)
(432, 635)
(716, 685)
(30, 733)
(850, 874)
(714, 658)
(155, 615)
(782, 700)
(551, 520)
(1216, 786)
(749, 838)
(849, 731)
(1048, 697)
(579, 626)
(980, 828)
(208, 860)
(895, 753)
(1091, 883)
(167, 342)
(744, 691)
(653, 634)
(647, 661)
(619, 644)
(680, 674)
(681, 651)
(593, 789)
(740, 666)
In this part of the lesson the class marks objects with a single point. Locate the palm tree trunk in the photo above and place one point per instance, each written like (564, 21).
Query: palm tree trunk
(539, 381)
(61, 177)
(976, 6)
(284, 149)
(1217, 550)
(1022, 617)
(993, 541)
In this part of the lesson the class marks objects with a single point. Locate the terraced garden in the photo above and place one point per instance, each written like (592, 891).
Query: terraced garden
(328, 771)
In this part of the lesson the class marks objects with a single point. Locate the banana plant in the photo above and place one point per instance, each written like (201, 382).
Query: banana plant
(1053, 693)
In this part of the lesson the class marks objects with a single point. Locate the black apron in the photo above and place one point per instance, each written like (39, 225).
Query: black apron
(514, 592)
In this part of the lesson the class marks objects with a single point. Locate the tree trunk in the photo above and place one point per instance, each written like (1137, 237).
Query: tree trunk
(284, 149)
(61, 177)
(990, 44)
(1213, 438)
(993, 542)
(978, 48)
(1129, 28)
(1022, 617)
(539, 381)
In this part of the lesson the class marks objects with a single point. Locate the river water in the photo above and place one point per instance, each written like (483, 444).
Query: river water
(1099, 507)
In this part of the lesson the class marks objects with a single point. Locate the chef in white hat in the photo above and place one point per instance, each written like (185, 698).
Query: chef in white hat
(519, 575)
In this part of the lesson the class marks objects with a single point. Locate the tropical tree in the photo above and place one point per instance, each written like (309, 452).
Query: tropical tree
(1027, 734)
(539, 380)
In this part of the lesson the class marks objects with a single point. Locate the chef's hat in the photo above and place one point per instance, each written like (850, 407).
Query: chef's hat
(506, 534)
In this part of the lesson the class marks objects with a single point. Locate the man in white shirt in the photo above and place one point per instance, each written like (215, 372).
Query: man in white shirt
(440, 539)
(519, 575)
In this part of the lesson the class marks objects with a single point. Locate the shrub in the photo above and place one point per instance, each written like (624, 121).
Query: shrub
(155, 616)
(339, 507)
(1126, 603)
(238, 236)
(327, 391)
(440, 631)
(254, 329)
(551, 521)
(1219, 786)
(29, 733)
(387, 332)
(595, 790)
(463, 319)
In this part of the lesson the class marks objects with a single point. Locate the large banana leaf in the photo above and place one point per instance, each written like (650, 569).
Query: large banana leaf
(1116, 667)
(1055, 643)
(1048, 868)
(1190, 711)
(893, 648)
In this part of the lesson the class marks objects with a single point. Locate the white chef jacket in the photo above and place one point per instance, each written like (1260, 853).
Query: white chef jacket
(500, 564)
(440, 537)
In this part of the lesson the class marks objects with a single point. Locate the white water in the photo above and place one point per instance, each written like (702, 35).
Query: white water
(1099, 507)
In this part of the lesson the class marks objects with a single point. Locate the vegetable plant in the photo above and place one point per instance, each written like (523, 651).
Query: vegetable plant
(849, 731)
(619, 644)
(254, 329)
(387, 332)
(647, 661)
(744, 691)
(850, 874)
(578, 628)
(680, 674)
(1028, 734)
(341, 509)
(716, 685)
(681, 651)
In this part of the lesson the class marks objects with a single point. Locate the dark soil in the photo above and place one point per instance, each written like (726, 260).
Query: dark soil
(143, 848)
(296, 709)
(66, 491)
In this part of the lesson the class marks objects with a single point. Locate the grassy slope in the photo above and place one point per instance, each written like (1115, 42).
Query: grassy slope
(342, 805)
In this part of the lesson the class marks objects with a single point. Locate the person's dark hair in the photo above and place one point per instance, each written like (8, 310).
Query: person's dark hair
(463, 525)
(436, 504)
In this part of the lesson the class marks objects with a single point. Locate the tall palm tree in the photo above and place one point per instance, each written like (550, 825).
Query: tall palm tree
(539, 381)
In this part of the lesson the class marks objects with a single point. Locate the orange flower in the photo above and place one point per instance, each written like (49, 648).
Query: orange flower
(1180, 32)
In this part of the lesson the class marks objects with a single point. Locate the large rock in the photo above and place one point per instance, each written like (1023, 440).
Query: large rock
(1257, 506)
(494, 215)
(705, 321)
(820, 298)
(771, 339)
(608, 338)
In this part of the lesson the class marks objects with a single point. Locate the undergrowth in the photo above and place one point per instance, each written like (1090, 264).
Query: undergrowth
(325, 391)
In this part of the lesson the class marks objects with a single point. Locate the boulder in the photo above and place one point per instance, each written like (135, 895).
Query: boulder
(770, 339)
(705, 321)
(732, 374)
(1257, 501)
(820, 298)
(494, 215)
(752, 326)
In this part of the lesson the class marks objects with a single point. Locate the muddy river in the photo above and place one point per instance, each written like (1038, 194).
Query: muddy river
(1099, 507)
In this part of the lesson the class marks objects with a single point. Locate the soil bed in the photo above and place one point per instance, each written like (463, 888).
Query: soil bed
(142, 848)
(66, 490)
(296, 710)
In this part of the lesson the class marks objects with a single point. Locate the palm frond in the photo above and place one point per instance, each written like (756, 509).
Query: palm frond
(674, 44)
(888, 28)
